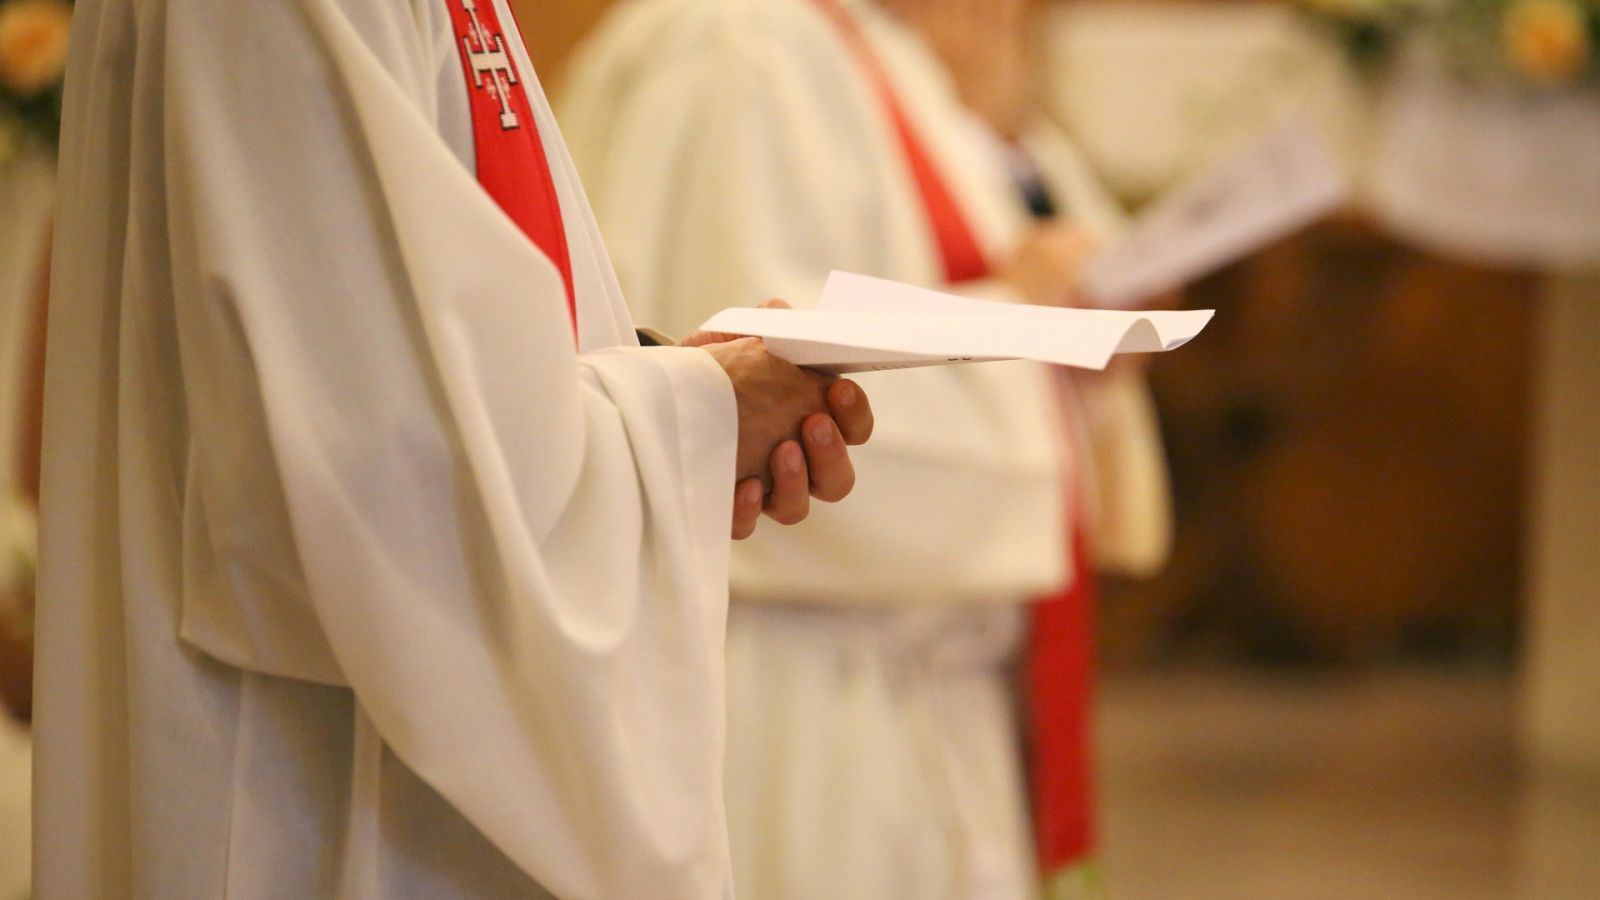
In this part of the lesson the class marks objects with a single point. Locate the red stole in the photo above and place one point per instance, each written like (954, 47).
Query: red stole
(511, 161)
(1061, 637)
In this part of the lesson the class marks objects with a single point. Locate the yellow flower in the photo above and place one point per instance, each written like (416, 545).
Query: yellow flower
(1546, 40)
(33, 43)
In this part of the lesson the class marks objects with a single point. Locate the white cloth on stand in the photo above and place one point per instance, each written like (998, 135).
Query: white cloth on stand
(357, 579)
(1493, 174)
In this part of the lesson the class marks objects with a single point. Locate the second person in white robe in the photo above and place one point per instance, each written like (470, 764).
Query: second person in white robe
(873, 747)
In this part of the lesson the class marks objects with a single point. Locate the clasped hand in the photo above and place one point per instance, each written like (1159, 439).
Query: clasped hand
(795, 428)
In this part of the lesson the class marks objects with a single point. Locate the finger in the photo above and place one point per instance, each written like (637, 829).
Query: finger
(827, 459)
(747, 497)
(702, 338)
(847, 402)
(775, 303)
(790, 500)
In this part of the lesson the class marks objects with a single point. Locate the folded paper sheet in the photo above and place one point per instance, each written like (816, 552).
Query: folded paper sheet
(867, 324)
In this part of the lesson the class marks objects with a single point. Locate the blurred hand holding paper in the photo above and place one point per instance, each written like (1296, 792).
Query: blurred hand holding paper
(868, 324)
(1277, 184)
(1281, 182)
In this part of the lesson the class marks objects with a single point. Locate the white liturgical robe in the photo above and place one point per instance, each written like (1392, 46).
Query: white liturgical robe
(737, 146)
(358, 579)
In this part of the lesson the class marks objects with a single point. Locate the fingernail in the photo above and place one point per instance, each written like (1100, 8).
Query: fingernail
(847, 396)
(793, 461)
(751, 492)
(822, 433)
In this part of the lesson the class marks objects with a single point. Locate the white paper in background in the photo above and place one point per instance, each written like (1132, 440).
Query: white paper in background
(1276, 185)
(869, 324)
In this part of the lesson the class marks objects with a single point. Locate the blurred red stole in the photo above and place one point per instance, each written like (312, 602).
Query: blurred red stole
(511, 162)
(1061, 637)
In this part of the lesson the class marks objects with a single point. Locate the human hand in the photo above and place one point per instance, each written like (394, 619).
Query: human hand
(1047, 264)
(818, 465)
(795, 426)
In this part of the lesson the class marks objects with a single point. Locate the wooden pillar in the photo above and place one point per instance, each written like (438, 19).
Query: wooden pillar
(1561, 668)
(1559, 815)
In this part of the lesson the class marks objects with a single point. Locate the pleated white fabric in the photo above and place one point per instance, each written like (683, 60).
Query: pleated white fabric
(357, 578)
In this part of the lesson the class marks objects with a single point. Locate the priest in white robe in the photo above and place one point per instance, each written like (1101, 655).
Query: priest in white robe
(360, 576)
(873, 746)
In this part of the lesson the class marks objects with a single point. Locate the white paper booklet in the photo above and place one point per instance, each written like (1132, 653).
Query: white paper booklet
(867, 324)
(1276, 185)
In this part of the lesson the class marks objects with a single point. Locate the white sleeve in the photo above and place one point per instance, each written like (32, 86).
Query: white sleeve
(516, 555)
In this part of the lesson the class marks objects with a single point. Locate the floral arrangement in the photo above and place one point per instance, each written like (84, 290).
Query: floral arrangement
(1537, 44)
(33, 56)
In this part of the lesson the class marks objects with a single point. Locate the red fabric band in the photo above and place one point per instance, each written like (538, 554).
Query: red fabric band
(512, 166)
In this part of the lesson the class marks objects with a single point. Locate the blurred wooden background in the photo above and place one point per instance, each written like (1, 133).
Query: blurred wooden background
(554, 30)
(1347, 444)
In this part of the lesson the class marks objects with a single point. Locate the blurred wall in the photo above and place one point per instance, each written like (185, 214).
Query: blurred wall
(552, 29)
(16, 838)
